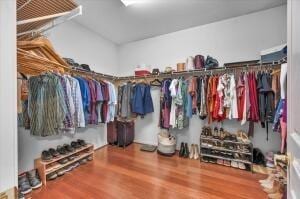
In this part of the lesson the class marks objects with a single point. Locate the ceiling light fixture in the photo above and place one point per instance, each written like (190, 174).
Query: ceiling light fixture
(130, 2)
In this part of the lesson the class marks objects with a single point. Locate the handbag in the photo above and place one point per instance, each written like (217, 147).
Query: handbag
(211, 62)
(180, 67)
(199, 62)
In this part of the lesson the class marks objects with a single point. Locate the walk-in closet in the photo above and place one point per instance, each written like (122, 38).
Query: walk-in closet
(149, 99)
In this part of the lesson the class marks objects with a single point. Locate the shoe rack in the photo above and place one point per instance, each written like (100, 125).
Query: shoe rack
(215, 151)
(45, 168)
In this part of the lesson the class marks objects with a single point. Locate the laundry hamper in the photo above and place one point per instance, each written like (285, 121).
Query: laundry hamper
(166, 144)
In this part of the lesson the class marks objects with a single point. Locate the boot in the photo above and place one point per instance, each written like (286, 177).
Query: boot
(186, 150)
(181, 152)
(192, 151)
(196, 152)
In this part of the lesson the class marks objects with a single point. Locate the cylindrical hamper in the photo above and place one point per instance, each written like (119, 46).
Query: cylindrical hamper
(166, 145)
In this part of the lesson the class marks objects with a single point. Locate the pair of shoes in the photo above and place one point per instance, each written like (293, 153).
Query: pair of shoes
(21, 195)
(184, 150)
(48, 155)
(234, 164)
(83, 161)
(194, 152)
(63, 161)
(220, 161)
(227, 163)
(206, 131)
(28, 181)
(242, 137)
(242, 166)
(52, 176)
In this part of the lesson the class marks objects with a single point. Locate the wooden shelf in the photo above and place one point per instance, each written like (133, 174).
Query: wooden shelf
(225, 141)
(227, 150)
(64, 156)
(48, 171)
(224, 158)
(45, 167)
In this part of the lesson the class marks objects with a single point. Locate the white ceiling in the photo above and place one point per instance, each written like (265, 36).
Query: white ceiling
(120, 24)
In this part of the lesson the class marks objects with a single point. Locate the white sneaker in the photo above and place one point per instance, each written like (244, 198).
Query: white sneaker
(192, 151)
(196, 152)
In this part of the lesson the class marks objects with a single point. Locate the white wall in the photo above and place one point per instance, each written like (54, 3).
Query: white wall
(72, 40)
(236, 39)
(8, 96)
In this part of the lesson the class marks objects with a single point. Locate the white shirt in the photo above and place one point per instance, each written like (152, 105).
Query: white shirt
(233, 112)
(173, 91)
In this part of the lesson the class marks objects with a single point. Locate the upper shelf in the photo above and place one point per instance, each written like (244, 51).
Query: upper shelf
(32, 15)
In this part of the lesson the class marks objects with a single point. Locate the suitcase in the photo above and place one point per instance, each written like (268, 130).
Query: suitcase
(125, 131)
(112, 137)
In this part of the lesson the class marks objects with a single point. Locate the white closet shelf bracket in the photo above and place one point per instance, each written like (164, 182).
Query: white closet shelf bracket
(58, 19)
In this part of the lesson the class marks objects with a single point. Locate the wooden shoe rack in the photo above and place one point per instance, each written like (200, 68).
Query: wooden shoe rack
(45, 168)
(222, 149)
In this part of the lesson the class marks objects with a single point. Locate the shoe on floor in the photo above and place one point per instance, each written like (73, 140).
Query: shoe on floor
(46, 156)
(20, 195)
(181, 151)
(269, 179)
(24, 185)
(196, 152)
(192, 151)
(34, 179)
(186, 150)
(52, 176)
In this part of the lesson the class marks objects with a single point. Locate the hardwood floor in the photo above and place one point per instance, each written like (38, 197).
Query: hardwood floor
(130, 173)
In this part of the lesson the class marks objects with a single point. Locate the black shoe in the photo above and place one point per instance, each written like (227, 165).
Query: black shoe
(181, 152)
(63, 161)
(61, 150)
(81, 142)
(46, 156)
(186, 151)
(75, 145)
(53, 152)
(68, 148)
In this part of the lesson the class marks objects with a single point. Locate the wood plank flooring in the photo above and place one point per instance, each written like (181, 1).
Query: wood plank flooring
(130, 173)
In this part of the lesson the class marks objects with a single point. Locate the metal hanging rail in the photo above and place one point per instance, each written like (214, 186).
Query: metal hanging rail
(232, 68)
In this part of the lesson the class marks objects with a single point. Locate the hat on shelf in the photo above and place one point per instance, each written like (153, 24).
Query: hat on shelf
(85, 67)
(168, 69)
(211, 62)
(155, 71)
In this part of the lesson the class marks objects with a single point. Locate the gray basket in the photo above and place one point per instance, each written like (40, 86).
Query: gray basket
(166, 146)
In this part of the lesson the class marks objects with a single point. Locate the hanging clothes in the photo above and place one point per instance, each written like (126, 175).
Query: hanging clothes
(233, 112)
(47, 107)
(165, 104)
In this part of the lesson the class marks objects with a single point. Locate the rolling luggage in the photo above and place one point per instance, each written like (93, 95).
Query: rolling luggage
(112, 137)
(125, 131)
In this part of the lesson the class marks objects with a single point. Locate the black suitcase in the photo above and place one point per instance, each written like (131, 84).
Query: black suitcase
(125, 131)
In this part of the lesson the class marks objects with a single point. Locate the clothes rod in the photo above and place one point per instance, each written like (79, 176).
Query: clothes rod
(203, 71)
